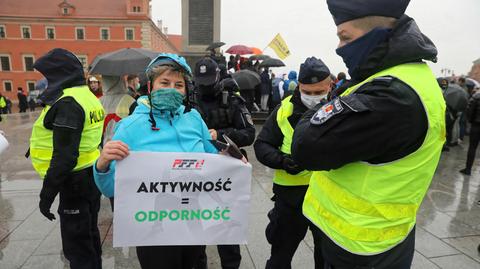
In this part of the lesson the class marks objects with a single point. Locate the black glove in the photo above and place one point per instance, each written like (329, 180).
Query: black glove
(44, 206)
(290, 166)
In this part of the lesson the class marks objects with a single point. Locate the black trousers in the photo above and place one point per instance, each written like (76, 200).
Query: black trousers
(230, 257)
(168, 257)
(449, 124)
(399, 257)
(473, 144)
(288, 227)
(78, 211)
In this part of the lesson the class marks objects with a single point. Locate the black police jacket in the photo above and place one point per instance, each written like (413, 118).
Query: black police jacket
(381, 122)
(231, 118)
(269, 140)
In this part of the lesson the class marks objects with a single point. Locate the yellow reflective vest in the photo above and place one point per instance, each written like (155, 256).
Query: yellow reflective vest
(281, 177)
(367, 208)
(41, 141)
(3, 103)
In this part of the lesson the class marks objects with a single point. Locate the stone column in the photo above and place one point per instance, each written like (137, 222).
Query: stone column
(200, 27)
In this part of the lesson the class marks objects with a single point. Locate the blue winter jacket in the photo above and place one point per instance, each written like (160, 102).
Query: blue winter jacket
(292, 77)
(184, 132)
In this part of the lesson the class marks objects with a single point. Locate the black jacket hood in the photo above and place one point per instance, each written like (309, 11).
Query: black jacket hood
(62, 69)
(406, 44)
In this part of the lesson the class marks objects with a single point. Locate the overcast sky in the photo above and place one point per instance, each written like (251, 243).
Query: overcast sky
(308, 29)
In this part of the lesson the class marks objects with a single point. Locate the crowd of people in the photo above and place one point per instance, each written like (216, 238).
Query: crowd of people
(353, 159)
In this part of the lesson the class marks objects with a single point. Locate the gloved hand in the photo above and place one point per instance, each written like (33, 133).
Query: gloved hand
(290, 166)
(44, 206)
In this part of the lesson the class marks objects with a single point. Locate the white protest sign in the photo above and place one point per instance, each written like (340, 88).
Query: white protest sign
(181, 199)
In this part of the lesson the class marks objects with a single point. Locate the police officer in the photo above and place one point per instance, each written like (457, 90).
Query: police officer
(224, 112)
(374, 149)
(63, 148)
(288, 226)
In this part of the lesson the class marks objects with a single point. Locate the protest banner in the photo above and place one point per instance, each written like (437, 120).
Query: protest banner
(181, 199)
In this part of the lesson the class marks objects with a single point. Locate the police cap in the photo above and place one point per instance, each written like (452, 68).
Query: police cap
(206, 72)
(312, 71)
(347, 10)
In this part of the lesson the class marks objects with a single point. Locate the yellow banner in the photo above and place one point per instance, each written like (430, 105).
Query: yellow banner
(280, 47)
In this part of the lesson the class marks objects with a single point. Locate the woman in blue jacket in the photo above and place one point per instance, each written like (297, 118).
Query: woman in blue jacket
(160, 123)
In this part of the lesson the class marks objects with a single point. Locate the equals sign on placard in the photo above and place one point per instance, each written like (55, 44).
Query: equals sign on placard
(185, 201)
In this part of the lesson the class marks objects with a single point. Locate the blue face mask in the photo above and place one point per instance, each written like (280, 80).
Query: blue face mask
(355, 53)
(166, 99)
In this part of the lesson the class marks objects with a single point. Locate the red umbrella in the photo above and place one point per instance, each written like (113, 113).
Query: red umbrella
(239, 49)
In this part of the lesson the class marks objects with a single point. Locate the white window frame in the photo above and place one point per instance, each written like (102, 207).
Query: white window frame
(86, 60)
(5, 31)
(84, 33)
(65, 9)
(54, 32)
(133, 33)
(30, 81)
(101, 36)
(5, 88)
(29, 30)
(24, 64)
(9, 62)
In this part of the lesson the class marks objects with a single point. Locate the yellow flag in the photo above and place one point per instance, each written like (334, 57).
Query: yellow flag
(280, 47)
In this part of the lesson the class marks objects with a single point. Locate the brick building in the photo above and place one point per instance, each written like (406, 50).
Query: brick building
(30, 28)
(475, 72)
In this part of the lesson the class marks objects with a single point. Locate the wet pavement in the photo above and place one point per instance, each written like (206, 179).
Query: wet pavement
(448, 229)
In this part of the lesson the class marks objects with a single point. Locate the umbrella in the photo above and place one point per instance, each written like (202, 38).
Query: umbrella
(246, 79)
(260, 57)
(122, 62)
(239, 49)
(456, 97)
(42, 84)
(473, 82)
(272, 62)
(214, 45)
(256, 51)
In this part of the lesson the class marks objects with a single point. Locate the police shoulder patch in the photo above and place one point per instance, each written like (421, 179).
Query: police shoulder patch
(326, 112)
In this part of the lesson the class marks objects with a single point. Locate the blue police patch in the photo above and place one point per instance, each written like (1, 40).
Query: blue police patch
(327, 111)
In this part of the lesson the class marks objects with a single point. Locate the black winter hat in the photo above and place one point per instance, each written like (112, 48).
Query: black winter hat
(347, 10)
(312, 71)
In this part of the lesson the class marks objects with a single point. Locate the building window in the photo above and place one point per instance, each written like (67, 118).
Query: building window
(129, 34)
(104, 34)
(5, 62)
(84, 60)
(65, 11)
(7, 85)
(30, 86)
(3, 33)
(28, 63)
(50, 33)
(26, 32)
(80, 33)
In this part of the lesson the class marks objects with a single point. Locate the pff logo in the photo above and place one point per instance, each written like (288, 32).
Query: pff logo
(184, 164)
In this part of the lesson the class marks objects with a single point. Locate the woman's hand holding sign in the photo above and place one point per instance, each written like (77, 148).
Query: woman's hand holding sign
(113, 150)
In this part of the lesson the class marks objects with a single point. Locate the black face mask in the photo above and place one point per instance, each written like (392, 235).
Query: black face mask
(209, 90)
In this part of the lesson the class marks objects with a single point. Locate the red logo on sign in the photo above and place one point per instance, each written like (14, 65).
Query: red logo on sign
(187, 164)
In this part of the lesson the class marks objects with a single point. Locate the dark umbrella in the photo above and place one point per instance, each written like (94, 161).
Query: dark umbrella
(260, 57)
(246, 79)
(456, 97)
(122, 62)
(239, 49)
(214, 45)
(272, 62)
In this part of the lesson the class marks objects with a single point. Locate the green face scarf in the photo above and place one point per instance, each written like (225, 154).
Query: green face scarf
(168, 99)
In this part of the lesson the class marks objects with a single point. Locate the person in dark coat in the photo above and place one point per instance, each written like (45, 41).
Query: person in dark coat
(473, 116)
(373, 150)
(22, 100)
(288, 226)
(265, 89)
(225, 113)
